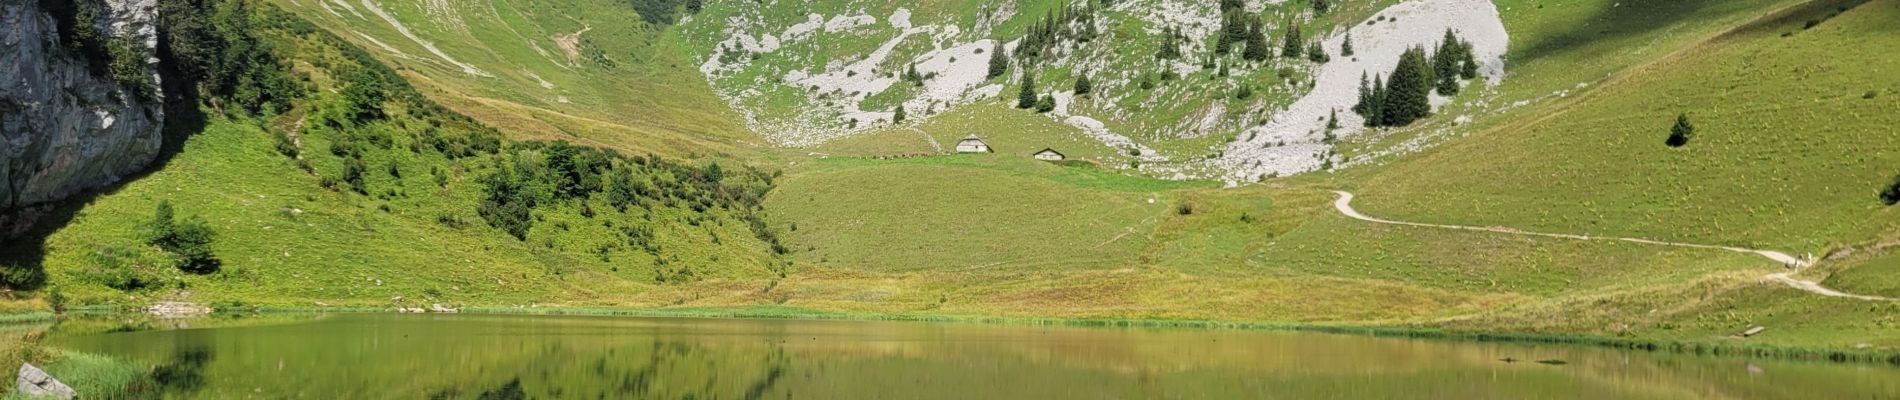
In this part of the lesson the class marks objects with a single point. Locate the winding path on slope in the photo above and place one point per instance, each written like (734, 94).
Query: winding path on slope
(1344, 205)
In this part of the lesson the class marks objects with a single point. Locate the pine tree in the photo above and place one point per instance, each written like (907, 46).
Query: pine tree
(1375, 104)
(161, 225)
(1293, 44)
(1083, 86)
(1170, 50)
(1332, 122)
(1027, 97)
(1408, 92)
(1346, 48)
(1365, 94)
(897, 115)
(1445, 60)
(1680, 134)
(1317, 53)
(1322, 6)
(1469, 67)
(1256, 42)
(999, 61)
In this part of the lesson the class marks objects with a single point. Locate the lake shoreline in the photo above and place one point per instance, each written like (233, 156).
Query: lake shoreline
(1699, 348)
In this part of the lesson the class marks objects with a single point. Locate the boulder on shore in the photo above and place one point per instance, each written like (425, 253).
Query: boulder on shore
(36, 384)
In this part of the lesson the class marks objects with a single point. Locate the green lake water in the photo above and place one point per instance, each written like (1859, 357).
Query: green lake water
(375, 356)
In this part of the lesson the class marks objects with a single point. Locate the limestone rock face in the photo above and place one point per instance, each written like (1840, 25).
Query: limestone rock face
(63, 127)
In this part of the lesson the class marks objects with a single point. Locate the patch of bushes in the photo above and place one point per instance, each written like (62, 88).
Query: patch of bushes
(189, 240)
(539, 174)
(121, 269)
(212, 48)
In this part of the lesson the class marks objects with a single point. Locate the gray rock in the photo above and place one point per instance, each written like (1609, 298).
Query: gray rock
(36, 384)
(62, 128)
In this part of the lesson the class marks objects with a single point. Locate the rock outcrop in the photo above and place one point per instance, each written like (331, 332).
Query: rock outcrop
(36, 384)
(64, 127)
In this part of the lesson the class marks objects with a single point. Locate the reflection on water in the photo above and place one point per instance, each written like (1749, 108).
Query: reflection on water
(551, 357)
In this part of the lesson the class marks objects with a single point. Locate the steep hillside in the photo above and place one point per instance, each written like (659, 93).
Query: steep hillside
(1168, 84)
(1792, 115)
(591, 71)
(362, 192)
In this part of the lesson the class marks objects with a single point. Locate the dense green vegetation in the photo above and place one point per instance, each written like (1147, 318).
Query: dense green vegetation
(372, 182)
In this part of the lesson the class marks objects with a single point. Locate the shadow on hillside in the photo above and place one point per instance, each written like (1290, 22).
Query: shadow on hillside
(23, 256)
(1621, 20)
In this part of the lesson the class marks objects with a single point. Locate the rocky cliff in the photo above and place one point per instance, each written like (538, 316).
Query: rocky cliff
(65, 126)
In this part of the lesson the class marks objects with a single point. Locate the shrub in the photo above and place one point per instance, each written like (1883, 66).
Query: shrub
(1184, 209)
(189, 241)
(119, 268)
(1046, 104)
(1680, 134)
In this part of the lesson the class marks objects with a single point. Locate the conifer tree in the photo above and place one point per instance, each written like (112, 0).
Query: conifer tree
(1408, 91)
(1469, 67)
(1317, 53)
(1293, 43)
(1375, 104)
(1027, 97)
(1083, 86)
(1346, 48)
(1446, 59)
(1170, 50)
(1256, 42)
(1322, 6)
(897, 115)
(1680, 134)
(1365, 94)
(999, 61)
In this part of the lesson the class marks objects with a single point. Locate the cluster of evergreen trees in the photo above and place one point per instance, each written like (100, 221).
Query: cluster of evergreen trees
(1072, 24)
(212, 47)
(1404, 95)
(1239, 27)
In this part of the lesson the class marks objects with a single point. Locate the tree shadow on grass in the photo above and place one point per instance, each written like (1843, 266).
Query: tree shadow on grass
(1617, 21)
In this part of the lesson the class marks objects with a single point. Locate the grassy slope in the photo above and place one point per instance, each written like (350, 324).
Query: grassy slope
(286, 240)
(647, 97)
(1789, 156)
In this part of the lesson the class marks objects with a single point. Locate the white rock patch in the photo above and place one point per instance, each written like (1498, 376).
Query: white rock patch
(844, 23)
(1097, 130)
